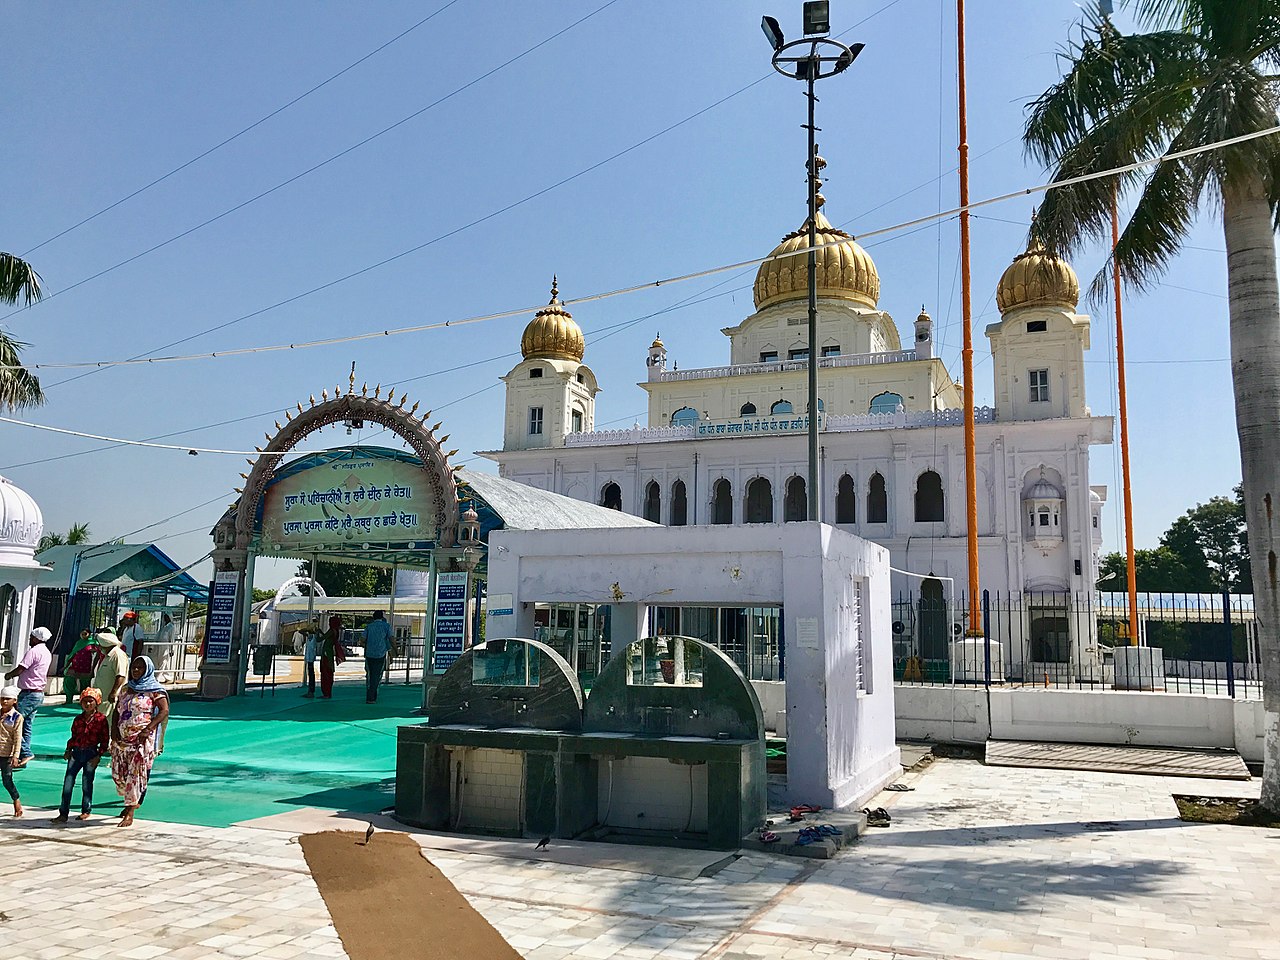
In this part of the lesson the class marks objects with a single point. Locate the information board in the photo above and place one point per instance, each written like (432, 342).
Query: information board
(451, 619)
(222, 616)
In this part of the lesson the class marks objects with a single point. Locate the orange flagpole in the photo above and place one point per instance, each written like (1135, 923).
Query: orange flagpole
(966, 353)
(1131, 573)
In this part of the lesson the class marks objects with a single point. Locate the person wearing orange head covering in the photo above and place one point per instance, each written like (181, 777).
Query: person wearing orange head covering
(90, 740)
(329, 647)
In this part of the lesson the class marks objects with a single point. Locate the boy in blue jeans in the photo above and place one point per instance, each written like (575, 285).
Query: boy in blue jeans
(90, 740)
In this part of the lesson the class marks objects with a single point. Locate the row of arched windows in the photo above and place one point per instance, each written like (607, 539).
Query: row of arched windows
(758, 508)
(881, 403)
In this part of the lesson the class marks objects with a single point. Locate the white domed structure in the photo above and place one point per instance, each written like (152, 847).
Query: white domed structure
(21, 526)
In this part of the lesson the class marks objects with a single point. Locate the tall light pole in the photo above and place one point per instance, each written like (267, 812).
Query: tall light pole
(811, 58)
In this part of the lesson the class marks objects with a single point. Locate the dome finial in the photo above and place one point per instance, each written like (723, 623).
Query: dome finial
(552, 333)
(555, 290)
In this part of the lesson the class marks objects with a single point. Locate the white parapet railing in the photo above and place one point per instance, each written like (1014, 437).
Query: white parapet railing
(782, 366)
(900, 420)
(903, 420)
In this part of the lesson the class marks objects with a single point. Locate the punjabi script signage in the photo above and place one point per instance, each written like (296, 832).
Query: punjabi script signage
(363, 499)
(451, 619)
(222, 616)
(755, 426)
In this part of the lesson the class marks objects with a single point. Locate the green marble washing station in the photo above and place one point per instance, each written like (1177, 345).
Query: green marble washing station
(668, 748)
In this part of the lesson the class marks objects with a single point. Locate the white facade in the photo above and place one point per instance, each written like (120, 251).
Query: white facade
(727, 444)
(21, 526)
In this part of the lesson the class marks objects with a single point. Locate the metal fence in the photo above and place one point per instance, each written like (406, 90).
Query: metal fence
(1208, 642)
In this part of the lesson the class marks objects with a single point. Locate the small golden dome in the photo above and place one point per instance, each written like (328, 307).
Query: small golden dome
(657, 343)
(844, 270)
(1037, 278)
(552, 334)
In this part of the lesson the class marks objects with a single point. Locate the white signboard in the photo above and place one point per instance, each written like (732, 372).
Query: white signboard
(360, 500)
(222, 616)
(500, 605)
(451, 619)
(756, 426)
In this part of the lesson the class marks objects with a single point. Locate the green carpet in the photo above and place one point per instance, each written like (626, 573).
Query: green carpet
(248, 757)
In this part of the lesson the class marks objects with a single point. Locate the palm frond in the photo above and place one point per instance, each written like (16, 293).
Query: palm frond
(19, 388)
(19, 281)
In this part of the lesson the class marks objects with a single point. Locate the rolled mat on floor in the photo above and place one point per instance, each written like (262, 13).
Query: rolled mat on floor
(388, 902)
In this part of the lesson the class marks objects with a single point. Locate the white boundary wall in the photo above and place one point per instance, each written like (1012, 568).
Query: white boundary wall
(959, 714)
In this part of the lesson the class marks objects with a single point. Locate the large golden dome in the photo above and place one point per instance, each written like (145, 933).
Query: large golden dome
(844, 270)
(552, 334)
(1037, 278)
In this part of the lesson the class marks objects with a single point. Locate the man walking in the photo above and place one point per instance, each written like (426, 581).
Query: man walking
(310, 650)
(32, 673)
(377, 643)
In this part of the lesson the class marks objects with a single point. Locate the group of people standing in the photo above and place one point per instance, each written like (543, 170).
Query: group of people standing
(328, 649)
(123, 712)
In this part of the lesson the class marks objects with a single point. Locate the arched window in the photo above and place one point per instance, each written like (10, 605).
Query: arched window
(653, 502)
(821, 406)
(929, 498)
(846, 501)
(611, 497)
(795, 506)
(877, 501)
(781, 406)
(679, 505)
(684, 417)
(748, 410)
(886, 403)
(722, 502)
(759, 501)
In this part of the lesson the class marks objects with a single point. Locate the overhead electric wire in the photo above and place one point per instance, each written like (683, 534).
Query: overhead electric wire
(604, 333)
(323, 163)
(652, 284)
(455, 231)
(235, 136)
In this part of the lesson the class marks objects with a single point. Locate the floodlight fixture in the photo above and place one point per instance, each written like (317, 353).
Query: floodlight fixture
(772, 31)
(1105, 8)
(817, 17)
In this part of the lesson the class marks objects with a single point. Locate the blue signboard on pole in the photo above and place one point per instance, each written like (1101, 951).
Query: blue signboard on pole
(222, 617)
(451, 619)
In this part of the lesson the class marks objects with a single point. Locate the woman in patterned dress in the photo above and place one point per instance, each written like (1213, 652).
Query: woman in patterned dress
(142, 709)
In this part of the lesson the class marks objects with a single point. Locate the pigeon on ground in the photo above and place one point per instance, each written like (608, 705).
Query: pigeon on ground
(542, 843)
(368, 835)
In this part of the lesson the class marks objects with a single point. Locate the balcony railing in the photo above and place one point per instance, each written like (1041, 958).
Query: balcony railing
(900, 420)
(783, 366)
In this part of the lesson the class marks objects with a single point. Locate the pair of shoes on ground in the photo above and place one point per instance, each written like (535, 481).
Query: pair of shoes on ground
(879, 817)
(800, 809)
(818, 833)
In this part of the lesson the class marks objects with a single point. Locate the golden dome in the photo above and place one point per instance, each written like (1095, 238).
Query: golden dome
(844, 270)
(1037, 278)
(552, 334)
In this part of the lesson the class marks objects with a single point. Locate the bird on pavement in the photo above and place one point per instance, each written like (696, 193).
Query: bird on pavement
(368, 835)
(542, 843)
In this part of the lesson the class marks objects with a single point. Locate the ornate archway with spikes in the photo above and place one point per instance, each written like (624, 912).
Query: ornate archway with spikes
(236, 530)
(239, 535)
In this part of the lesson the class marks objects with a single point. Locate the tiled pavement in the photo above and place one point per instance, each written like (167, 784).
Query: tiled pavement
(980, 863)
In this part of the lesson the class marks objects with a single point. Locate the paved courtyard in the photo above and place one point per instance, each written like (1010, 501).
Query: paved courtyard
(979, 862)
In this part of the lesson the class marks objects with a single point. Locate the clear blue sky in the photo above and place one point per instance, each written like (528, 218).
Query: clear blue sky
(102, 99)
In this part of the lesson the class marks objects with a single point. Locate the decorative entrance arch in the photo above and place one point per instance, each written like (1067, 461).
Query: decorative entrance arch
(237, 535)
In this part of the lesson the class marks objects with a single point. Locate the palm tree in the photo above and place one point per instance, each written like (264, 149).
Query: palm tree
(19, 388)
(78, 534)
(1200, 75)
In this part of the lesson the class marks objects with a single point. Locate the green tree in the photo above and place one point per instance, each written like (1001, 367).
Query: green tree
(19, 388)
(1210, 537)
(1157, 571)
(77, 535)
(1201, 74)
(349, 579)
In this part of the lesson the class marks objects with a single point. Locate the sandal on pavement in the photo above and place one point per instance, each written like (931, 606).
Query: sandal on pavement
(899, 787)
(878, 817)
(768, 836)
